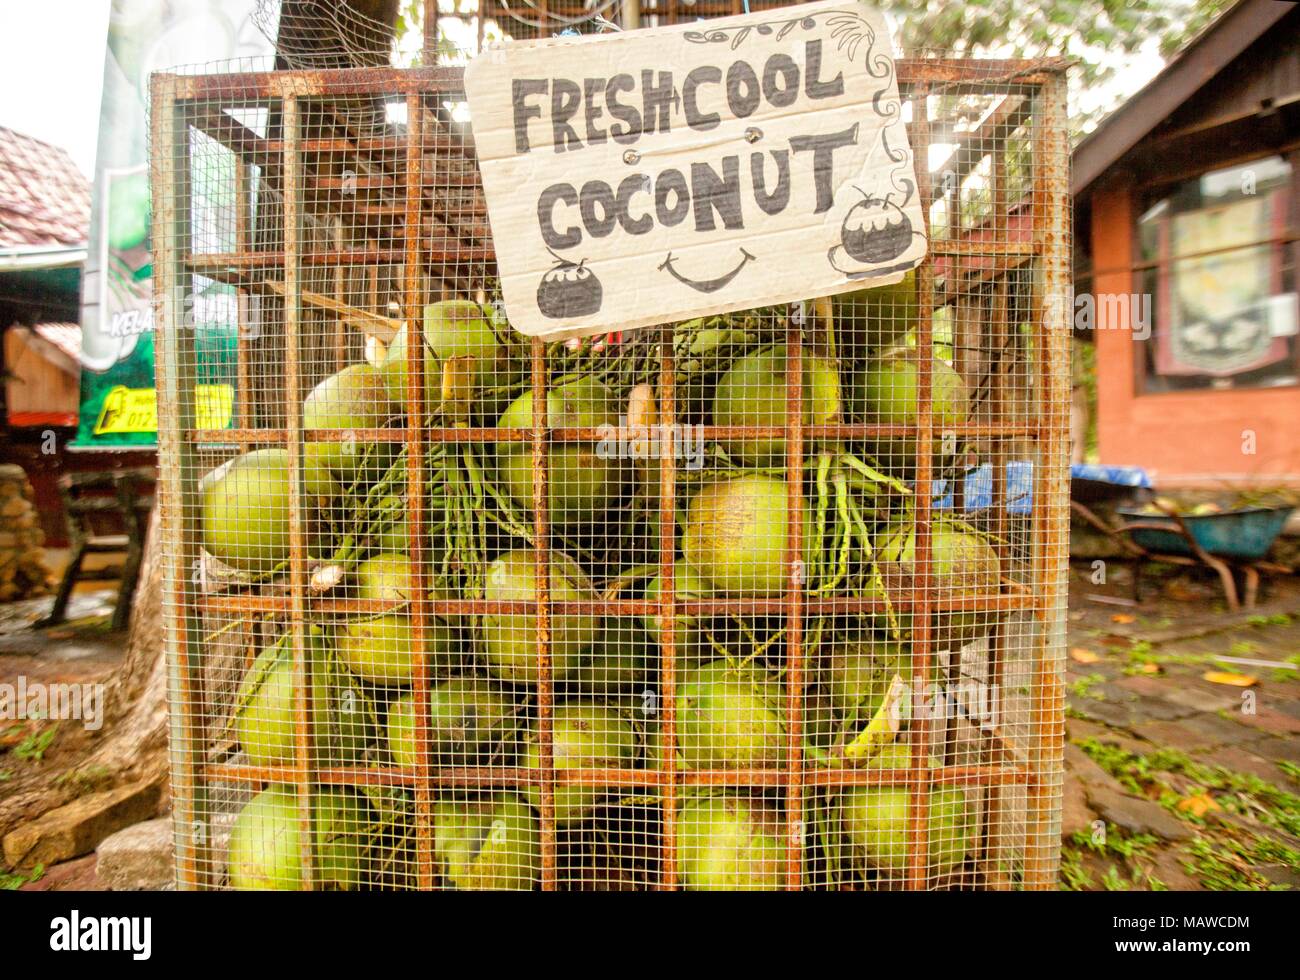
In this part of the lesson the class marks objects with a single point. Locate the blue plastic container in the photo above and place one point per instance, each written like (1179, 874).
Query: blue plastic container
(1245, 533)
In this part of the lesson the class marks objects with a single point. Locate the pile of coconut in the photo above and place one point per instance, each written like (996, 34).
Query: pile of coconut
(476, 703)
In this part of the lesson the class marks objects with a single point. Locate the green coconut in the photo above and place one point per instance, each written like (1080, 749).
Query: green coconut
(888, 394)
(509, 640)
(487, 843)
(264, 720)
(581, 484)
(266, 841)
(876, 318)
(452, 328)
(379, 647)
(729, 717)
(688, 637)
(754, 392)
(472, 721)
(246, 509)
(876, 822)
(387, 575)
(586, 734)
(354, 398)
(856, 675)
(619, 662)
(736, 535)
(964, 566)
(729, 843)
(702, 353)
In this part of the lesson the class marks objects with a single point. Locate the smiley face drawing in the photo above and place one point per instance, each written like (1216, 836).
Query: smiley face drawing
(875, 231)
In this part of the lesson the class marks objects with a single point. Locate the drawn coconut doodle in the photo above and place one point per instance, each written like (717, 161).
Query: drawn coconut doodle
(569, 289)
(875, 230)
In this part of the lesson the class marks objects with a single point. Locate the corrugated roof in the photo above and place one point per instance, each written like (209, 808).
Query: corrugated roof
(44, 198)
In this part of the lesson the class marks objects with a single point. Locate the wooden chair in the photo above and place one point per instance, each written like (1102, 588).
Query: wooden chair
(95, 505)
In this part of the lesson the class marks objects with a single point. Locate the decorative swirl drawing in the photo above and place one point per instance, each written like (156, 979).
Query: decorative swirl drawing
(851, 30)
(900, 157)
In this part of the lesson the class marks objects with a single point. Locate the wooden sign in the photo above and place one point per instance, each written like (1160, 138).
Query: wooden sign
(659, 175)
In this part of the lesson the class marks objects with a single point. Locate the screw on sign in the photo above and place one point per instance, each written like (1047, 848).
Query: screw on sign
(460, 605)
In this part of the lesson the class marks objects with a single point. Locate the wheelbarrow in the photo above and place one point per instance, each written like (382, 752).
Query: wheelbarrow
(1228, 542)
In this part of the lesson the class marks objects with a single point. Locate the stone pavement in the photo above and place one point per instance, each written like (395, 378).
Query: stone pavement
(1175, 779)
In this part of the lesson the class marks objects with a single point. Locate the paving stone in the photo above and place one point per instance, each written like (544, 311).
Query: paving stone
(139, 858)
(1250, 762)
(1080, 765)
(1140, 684)
(1077, 729)
(1107, 669)
(1280, 874)
(68, 876)
(1076, 815)
(1267, 720)
(1136, 815)
(1288, 706)
(77, 827)
(1081, 728)
(1252, 827)
(1203, 731)
(1110, 712)
(1167, 866)
(1163, 709)
(1178, 690)
(1278, 749)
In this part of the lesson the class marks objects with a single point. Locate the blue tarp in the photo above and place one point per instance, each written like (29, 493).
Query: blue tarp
(1121, 476)
(1020, 484)
(979, 489)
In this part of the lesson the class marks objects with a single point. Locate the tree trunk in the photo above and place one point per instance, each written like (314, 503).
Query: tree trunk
(133, 747)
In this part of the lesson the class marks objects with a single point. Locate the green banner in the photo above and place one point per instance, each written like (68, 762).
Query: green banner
(118, 409)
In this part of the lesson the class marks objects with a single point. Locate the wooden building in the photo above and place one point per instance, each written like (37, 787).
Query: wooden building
(1187, 205)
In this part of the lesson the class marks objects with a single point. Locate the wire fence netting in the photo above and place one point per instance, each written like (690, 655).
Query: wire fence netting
(764, 600)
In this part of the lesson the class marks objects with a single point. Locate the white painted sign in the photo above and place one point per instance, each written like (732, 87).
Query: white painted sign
(658, 175)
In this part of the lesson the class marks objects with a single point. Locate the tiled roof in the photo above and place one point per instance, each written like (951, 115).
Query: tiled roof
(65, 336)
(44, 199)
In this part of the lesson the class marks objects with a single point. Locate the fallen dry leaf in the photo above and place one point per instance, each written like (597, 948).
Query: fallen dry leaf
(1083, 655)
(1229, 678)
(1148, 669)
(1198, 805)
(1123, 618)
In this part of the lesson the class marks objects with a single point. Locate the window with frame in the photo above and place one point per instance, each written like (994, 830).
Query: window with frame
(1217, 281)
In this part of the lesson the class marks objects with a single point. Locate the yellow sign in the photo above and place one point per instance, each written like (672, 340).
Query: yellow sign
(136, 409)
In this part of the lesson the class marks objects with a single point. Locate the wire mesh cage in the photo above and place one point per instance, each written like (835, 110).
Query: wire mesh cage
(766, 600)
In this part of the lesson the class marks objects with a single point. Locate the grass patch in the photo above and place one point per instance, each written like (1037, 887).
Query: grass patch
(1083, 687)
(1239, 792)
(11, 881)
(34, 746)
(1123, 853)
(1229, 863)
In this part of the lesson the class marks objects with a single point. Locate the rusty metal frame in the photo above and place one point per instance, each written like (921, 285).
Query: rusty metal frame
(175, 101)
